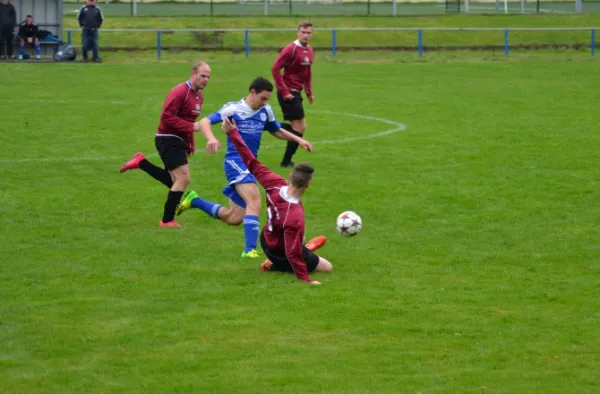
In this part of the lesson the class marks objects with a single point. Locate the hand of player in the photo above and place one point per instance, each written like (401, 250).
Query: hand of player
(29, 39)
(228, 125)
(212, 146)
(288, 96)
(314, 282)
(306, 145)
(311, 99)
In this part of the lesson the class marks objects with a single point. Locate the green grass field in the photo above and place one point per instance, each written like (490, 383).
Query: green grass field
(303, 8)
(344, 38)
(476, 270)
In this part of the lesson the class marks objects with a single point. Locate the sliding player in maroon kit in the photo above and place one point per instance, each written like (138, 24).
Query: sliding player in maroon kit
(283, 236)
(296, 60)
(174, 140)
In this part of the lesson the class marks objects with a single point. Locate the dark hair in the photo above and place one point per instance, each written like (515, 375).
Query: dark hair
(29, 16)
(304, 24)
(261, 84)
(301, 175)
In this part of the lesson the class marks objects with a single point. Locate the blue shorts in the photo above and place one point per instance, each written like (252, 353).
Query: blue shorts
(236, 172)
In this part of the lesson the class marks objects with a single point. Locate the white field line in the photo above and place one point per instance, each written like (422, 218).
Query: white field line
(397, 126)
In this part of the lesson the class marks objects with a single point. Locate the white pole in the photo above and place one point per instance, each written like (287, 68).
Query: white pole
(394, 8)
(134, 7)
(522, 6)
(467, 6)
(266, 8)
(506, 6)
(578, 6)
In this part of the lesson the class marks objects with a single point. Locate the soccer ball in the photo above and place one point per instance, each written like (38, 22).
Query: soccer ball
(349, 223)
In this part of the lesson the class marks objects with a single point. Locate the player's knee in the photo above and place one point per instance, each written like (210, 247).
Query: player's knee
(181, 176)
(234, 220)
(253, 206)
(182, 181)
(231, 216)
(299, 126)
(253, 202)
(324, 265)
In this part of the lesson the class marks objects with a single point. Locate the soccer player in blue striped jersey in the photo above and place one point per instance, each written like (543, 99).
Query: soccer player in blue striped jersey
(253, 115)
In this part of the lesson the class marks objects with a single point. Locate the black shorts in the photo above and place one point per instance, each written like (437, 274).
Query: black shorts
(292, 109)
(281, 262)
(172, 151)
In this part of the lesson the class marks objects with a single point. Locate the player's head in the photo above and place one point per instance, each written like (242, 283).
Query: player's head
(301, 176)
(200, 75)
(304, 32)
(260, 91)
(29, 19)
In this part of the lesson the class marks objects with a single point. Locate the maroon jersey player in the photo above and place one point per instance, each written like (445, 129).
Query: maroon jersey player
(282, 237)
(296, 60)
(174, 139)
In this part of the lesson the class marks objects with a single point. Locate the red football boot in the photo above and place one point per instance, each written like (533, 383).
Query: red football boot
(316, 243)
(172, 223)
(133, 163)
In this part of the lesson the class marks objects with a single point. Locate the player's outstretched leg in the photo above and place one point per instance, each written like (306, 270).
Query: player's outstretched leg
(312, 245)
(139, 161)
(316, 243)
(133, 163)
(193, 200)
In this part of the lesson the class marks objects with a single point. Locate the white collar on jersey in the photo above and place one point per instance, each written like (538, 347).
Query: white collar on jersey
(243, 101)
(298, 44)
(189, 84)
(283, 192)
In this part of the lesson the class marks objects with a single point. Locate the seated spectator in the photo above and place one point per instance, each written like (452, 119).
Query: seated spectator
(28, 34)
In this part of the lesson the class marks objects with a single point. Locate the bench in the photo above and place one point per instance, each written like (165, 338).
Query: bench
(43, 43)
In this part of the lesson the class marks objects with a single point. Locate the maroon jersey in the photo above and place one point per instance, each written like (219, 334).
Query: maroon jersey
(180, 110)
(284, 231)
(296, 61)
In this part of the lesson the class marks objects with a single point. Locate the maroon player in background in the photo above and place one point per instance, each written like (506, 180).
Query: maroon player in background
(174, 140)
(296, 60)
(283, 236)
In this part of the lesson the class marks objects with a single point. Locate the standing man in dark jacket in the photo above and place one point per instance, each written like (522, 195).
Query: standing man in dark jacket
(90, 19)
(8, 21)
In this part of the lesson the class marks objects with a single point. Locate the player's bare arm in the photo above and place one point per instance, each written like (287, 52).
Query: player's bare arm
(212, 144)
(283, 134)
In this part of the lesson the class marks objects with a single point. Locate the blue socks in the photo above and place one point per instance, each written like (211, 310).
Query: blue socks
(251, 223)
(37, 49)
(251, 231)
(209, 208)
